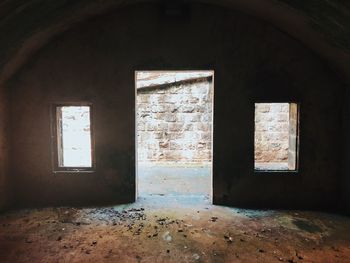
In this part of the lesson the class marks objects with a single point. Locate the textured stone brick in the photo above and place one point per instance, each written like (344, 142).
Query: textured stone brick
(169, 117)
(159, 135)
(163, 144)
(206, 136)
(201, 145)
(188, 108)
(176, 146)
(141, 126)
(181, 117)
(151, 126)
(188, 127)
(264, 108)
(193, 100)
(175, 123)
(201, 126)
(206, 118)
(271, 132)
(158, 108)
(189, 146)
(163, 126)
(175, 135)
(176, 126)
(144, 98)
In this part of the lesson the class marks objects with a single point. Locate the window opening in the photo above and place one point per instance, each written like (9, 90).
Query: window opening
(73, 137)
(276, 136)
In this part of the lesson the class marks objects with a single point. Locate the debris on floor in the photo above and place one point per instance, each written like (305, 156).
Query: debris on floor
(142, 232)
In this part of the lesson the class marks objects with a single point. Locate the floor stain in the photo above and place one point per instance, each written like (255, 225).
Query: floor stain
(307, 226)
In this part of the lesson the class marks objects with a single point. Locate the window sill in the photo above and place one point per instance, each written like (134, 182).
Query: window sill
(277, 172)
(74, 171)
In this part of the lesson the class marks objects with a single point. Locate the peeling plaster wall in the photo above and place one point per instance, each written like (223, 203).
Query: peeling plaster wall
(96, 61)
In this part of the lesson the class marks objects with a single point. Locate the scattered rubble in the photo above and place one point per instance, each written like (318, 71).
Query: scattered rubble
(93, 232)
(228, 238)
(213, 219)
(167, 237)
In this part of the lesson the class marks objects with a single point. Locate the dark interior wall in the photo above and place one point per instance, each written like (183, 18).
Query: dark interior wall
(95, 62)
(5, 184)
(346, 154)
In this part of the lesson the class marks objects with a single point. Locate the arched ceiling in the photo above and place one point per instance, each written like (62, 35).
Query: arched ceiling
(28, 25)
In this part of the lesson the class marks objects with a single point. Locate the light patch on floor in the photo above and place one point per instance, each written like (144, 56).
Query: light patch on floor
(176, 183)
(271, 166)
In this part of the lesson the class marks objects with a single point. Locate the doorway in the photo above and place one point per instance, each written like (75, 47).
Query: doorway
(174, 135)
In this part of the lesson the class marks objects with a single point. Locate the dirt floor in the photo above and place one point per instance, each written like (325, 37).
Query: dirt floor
(172, 229)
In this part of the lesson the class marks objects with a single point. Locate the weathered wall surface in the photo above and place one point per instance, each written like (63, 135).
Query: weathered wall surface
(27, 29)
(5, 183)
(175, 122)
(271, 132)
(252, 61)
(345, 182)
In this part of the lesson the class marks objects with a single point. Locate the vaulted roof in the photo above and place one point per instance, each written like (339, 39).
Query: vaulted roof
(321, 25)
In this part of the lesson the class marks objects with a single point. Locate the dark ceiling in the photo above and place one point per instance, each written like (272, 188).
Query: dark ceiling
(28, 25)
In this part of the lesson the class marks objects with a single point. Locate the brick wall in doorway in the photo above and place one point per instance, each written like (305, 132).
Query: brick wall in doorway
(174, 117)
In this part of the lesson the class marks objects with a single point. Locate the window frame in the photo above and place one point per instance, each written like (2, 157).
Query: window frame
(56, 151)
(297, 146)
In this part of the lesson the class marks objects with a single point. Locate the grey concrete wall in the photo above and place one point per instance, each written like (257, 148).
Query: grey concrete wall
(252, 62)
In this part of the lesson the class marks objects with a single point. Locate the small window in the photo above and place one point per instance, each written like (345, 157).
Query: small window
(276, 136)
(73, 138)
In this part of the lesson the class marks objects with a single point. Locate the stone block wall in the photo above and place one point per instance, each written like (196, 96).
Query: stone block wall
(293, 136)
(174, 121)
(272, 133)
